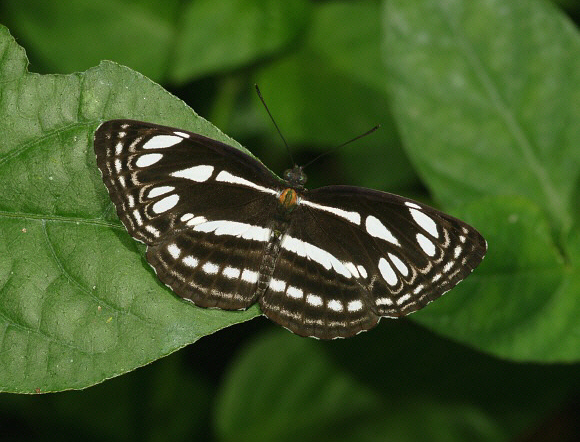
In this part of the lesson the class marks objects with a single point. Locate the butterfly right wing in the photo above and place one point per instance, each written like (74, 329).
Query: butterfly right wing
(353, 255)
(183, 195)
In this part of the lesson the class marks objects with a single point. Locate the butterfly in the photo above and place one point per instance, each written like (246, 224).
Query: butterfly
(224, 232)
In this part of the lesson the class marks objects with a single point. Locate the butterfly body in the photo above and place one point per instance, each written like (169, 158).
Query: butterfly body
(224, 232)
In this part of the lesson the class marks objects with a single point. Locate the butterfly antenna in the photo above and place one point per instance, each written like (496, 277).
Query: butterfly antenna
(343, 144)
(274, 121)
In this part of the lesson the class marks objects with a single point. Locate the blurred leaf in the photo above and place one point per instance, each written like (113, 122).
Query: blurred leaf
(165, 40)
(405, 363)
(222, 35)
(287, 389)
(522, 302)
(347, 35)
(287, 396)
(72, 36)
(333, 89)
(79, 304)
(487, 97)
(488, 112)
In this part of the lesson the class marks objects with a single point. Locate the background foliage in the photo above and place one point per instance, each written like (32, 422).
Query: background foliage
(479, 103)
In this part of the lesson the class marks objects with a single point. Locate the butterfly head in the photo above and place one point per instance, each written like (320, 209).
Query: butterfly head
(295, 177)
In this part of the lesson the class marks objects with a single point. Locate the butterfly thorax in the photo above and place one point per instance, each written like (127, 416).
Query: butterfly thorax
(288, 200)
(295, 179)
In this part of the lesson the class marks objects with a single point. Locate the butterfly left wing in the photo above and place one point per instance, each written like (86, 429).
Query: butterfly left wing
(183, 195)
(367, 254)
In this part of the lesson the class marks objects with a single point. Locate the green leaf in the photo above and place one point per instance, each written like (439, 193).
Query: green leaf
(217, 36)
(183, 40)
(487, 97)
(78, 303)
(282, 388)
(522, 302)
(396, 383)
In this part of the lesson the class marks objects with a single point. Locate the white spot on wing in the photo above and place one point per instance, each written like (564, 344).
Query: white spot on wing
(352, 269)
(181, 134)
(354, 306)
(425, 222)
(277, 285)
(234, 228)
(148, 159)
(250, 276)
(400, 265)
(378, 230)
(314, 300)
(190, 261)
(198, 174)
(457, 252)
(384, 301)
(196, 220)
(137, 217)
(160, 190)
(426, 244)
(353, 217)
(186, 217)
(226, 177)
(403, 299)
(231, 272)
(174, 251)
(210, 268)
(413, 205)
(448, 266)
(166, 203)
(152, 230)
(294, 292)
(118, 165)
(362, 271)
(316, 254)
(162, 142)
(387, 272)
(335, 304)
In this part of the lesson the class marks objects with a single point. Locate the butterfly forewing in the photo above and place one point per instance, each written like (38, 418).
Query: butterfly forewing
(223, 231)
(168, 192)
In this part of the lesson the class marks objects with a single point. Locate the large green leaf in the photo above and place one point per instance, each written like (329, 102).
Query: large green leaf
(487, 98)
(78, 303)
(522, 302)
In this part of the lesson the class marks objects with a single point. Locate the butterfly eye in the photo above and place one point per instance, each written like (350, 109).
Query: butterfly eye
(221, 232)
